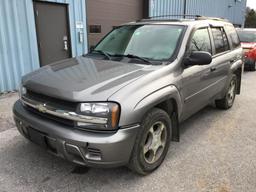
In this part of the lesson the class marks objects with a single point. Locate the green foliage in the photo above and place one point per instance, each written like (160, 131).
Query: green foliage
(250, 18)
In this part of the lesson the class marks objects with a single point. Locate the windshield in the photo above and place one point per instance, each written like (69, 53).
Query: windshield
(153, 42)
(247, 36)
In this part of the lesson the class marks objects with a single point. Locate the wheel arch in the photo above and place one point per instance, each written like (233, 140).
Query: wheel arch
(167, 99)
(237, 69)
(170, 106)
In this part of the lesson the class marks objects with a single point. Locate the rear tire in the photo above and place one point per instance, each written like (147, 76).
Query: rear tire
(152, 142)
(229, 98)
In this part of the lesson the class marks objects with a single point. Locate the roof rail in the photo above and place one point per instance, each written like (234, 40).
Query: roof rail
(181, 17)
(169, 18)
(211, 18)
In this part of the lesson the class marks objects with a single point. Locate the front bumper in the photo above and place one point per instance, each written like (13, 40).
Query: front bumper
(78, 146)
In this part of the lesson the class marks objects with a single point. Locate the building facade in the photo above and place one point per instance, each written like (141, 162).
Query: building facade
(233, 10)
(111, 14)
(34, 33)
(29, 31)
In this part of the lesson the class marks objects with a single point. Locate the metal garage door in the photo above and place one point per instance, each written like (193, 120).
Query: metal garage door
(104, 15)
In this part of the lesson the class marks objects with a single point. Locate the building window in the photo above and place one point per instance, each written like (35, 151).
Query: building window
(95, 28)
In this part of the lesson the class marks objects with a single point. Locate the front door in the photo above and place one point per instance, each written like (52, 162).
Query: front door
(196, 82)
(52, 32)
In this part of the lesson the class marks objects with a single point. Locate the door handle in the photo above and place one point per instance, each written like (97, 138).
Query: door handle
(65, 45)
(212, 69)
(65, 41)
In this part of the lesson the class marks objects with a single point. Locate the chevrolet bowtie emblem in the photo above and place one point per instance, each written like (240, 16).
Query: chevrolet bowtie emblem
(42, 108)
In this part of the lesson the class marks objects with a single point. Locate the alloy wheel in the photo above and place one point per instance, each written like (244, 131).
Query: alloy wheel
(231, 92)
(155, 142)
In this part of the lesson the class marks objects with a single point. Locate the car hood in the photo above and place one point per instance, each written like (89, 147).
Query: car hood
(250, 45)
(84, 79)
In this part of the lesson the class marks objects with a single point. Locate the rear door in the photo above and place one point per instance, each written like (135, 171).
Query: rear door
(52, 31)
(222, 59)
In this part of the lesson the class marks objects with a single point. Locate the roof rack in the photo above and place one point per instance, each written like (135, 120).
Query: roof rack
(211, 18)
(170, 17)
(181, 17)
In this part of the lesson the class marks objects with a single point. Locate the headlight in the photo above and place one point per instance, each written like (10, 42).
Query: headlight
(104, 115)
(22, 91)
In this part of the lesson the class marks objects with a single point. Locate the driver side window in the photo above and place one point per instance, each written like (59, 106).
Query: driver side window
(201, 41)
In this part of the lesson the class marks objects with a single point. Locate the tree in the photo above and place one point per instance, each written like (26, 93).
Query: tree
(250, 18)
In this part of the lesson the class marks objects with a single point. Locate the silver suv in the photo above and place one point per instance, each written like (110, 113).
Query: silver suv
(121, 104)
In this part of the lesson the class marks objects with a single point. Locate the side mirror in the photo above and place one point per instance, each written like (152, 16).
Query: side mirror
(198, 58)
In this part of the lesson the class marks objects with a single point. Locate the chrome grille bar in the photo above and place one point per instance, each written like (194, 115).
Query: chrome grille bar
(70, 115)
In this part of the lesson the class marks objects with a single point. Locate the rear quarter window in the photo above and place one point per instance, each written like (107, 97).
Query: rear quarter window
(233, 36)
(220, 40)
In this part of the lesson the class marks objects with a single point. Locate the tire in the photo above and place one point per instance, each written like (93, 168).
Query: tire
(148, 154)
(253, 66)
(229, 98)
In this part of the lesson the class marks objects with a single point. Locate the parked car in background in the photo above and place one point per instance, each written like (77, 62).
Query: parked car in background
(248, 41)
(122, 103)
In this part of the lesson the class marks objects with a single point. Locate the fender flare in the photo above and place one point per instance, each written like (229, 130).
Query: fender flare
(159, 96)
(167, 93)
(237, 68)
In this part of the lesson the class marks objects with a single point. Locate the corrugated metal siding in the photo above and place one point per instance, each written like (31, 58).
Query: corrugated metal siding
(165, 7)
(18, 42)
(233, 10)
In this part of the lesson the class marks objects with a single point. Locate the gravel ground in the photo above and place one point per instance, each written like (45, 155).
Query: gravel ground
(6, 102)
(216, 154)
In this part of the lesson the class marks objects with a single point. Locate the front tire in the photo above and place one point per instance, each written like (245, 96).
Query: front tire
(253, 66)
(152, 143)
(229, 98)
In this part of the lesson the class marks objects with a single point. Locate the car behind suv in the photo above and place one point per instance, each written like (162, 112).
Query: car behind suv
(248, 42)
(121, 104)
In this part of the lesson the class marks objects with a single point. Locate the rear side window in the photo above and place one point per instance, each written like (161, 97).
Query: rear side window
(231, 32)
(201, 41)
(220, 40)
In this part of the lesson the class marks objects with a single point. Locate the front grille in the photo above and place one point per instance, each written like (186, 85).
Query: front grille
(51, 117)
(245, 50)
(56, 103)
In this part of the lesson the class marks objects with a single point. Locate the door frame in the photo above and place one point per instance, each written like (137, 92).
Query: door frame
(36, 26)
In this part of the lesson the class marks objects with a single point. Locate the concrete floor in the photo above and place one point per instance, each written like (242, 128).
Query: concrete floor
(217, 153)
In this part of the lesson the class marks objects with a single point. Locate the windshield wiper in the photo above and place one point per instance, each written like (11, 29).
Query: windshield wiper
(138, 57)
(103, 53)
(133, 56)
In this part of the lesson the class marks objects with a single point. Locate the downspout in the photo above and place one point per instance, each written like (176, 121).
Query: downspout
(184, 9)
(244, 12)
